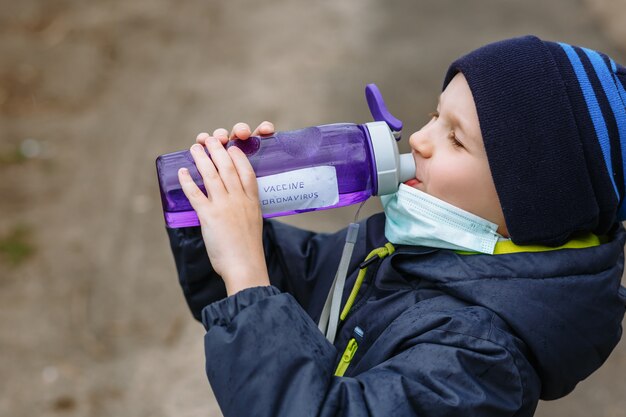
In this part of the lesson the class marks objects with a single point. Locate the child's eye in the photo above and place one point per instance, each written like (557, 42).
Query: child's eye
(454, 140)
(451, 136)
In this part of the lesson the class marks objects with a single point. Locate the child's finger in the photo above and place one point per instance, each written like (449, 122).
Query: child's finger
(240, 131)
(193, 193)
(224, 164)
(265, 128)
(221, 134)
(245, 172)
(207, 169)
(201, 138)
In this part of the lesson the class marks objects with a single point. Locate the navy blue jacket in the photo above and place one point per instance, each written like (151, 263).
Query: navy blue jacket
(439, 333)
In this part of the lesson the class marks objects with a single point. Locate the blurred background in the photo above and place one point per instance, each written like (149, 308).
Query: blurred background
(92, 321)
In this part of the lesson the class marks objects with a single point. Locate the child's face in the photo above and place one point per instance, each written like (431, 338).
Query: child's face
(450, 159)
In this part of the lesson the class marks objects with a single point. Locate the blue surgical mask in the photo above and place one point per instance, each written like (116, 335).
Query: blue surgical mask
(417, 218)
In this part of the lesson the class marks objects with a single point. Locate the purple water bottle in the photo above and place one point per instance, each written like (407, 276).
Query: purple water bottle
(315, 168)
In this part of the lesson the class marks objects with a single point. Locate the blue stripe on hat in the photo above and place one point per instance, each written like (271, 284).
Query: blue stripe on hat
(594, 109)
(609, 120)
(622, 94)
(612, 94)
(620, 87)
(617, 106)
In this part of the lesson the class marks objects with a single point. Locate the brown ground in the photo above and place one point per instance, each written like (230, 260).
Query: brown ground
(92, 322)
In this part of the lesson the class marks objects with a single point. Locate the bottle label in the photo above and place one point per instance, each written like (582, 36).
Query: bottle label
(307, 188)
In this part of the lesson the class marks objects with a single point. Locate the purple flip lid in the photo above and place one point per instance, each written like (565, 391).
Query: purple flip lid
(379, 110)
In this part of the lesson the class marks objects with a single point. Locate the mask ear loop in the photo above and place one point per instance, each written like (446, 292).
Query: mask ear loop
(329, 319)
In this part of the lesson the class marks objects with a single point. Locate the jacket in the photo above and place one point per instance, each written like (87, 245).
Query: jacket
(430, 333)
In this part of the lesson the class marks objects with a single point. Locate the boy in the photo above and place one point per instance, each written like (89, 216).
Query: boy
(521, 166)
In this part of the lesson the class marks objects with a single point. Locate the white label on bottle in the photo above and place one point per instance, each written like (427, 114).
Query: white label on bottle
(301, 189)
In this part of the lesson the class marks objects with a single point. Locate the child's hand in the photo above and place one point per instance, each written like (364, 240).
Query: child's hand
(230, 214)
(239, 131)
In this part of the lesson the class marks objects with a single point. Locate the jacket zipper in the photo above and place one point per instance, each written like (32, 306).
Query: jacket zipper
(346, 357)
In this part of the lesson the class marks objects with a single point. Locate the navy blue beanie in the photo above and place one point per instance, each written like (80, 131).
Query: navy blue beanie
(553, 121)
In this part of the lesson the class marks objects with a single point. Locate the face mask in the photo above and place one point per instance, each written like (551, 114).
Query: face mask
(417, 218)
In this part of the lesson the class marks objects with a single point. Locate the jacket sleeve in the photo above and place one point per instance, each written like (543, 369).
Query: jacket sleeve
(200, 283)
(299, 262)
(265, 357)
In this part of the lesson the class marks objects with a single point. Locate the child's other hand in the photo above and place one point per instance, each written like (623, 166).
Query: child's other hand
(239, 131)
(230, 213)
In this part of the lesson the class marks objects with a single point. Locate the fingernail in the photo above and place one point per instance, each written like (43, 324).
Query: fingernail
(184, 171)
(212, 140)
(196, 147)
(202, 135)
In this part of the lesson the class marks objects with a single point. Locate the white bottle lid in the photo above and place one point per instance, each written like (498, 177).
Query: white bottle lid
(391, 167)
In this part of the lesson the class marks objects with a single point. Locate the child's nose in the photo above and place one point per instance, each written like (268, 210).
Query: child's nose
(421, 143)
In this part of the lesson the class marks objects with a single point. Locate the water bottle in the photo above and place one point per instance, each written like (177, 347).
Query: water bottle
(315, 168)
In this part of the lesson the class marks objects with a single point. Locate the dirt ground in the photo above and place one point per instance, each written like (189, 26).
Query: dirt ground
(92, 322)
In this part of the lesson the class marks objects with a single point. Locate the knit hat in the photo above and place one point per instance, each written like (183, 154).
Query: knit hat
(553, 121)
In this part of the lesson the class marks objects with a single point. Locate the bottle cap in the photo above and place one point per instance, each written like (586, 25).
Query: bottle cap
(391, 167)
